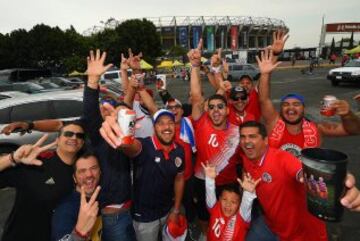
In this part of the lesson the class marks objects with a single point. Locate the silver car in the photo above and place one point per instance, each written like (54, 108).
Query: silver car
(237, 70)
(65, 105)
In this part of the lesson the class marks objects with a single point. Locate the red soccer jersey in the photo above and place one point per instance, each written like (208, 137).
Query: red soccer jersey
(292, 143)
(253, 107)
(188, 153)
(236, 119)
(225, 228)
(218, 147)
(283, 197)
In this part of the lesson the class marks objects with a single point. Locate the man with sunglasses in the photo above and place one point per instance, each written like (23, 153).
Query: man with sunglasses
(239, 100)
(216, 138)
(40, 185)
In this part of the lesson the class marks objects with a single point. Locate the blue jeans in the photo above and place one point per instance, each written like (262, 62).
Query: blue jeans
(259, 231)
(117, 227)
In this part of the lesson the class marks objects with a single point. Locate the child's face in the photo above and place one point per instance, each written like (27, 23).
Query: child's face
(230, 203)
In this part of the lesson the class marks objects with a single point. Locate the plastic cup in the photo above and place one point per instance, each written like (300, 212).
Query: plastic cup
(326, 109)
(324, 176)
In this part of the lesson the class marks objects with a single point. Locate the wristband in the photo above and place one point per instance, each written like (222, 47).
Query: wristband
(30, 125)
(195, 65)
(12, 160)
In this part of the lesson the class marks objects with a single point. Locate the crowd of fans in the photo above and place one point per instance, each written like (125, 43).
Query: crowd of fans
(227, 164)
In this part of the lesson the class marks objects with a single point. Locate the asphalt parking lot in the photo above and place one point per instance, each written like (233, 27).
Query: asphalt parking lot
(313, 87)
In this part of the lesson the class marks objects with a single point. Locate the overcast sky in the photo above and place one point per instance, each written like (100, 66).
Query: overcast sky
(303, 17)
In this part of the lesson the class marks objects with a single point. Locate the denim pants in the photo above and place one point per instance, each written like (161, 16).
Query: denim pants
(118, 226)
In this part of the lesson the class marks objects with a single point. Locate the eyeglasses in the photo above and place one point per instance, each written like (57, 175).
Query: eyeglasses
(172, 107)
(237, 98)
(219, 106)
(70, 134)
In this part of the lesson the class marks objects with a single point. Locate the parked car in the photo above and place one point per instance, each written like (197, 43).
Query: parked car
(21, 75)
(71, 83)
(12, 94)
(350, 72)
(238, 70)
(26, 87)
(65, 105)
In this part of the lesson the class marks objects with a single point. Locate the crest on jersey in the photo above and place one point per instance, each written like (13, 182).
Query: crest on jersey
(266, 177)
(178, 161)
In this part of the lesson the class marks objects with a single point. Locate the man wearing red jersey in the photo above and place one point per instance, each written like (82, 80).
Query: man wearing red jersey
(239, 100)
(280, 192)
(253, 107)
(289, 129)
(216, 139)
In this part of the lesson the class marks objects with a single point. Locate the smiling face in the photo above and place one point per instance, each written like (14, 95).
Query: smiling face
(253, 143)
(247, 84)
(239, 104)
(292, 111)
(87, 174)
(165, 130)
(230, 202)
(218, 111)
(176, 109)
(69, 140)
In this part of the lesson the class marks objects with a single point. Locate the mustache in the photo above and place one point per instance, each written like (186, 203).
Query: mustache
(249, 145)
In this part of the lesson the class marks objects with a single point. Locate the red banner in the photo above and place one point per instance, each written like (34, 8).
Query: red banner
(342, 27)
(234, 37)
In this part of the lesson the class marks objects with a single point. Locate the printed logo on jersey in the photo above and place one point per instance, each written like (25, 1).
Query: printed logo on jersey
(293, 149)
(266, 177)
(213, 141)
(50, 181)
(178, 161)
(157, 159)
(217, 226)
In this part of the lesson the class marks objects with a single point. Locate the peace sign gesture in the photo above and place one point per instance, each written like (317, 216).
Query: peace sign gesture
(27, 154)
(194, 55)
(248, 183)
(88, 212)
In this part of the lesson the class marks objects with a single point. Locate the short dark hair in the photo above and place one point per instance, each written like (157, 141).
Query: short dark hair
(85, 154)
(217, 97)
(261, 127)
(74, 122)
(245, 76)
(231, 187)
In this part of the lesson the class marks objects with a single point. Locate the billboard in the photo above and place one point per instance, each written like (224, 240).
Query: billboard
(342, 27)
(210, 38)
(196, 31)
(167, 30)
(234, 37)
(183, 36)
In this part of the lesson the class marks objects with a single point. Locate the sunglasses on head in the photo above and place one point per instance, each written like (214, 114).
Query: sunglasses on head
(240, 97)
(70, 134)
(219, 106)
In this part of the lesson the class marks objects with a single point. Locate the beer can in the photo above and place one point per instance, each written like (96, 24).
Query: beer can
(326, 109)
(140, 79)
(126, 121)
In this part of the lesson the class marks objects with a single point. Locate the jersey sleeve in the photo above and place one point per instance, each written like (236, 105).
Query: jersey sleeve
(210, 192)
(246, 205)
(292, 165)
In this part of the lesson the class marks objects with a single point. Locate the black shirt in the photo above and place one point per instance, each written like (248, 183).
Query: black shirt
(38, 190)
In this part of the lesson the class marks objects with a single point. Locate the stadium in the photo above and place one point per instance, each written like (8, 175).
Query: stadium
(231, 33)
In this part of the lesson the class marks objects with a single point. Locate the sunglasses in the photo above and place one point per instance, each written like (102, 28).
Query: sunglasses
(219, 106)
(237, 98)
(109, 101)
(171, 107)
(70, 134)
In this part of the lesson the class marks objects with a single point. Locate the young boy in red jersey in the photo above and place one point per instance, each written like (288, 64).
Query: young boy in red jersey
(228, 219)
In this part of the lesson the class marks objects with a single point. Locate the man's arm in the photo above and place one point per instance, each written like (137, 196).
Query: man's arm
(195, 84)
(131, 91)
(268, 111)
(40, 125)
(165, 96)
(179, 184)
(349, 125)
(148, 101)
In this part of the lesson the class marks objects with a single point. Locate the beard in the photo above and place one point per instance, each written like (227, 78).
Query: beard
(164, 142)
(295, 122)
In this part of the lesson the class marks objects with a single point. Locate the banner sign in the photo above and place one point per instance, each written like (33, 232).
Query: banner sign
(196, 30)
(167, 30)
(234, 37)
(342, 27)
(210, 37)
(183, 36)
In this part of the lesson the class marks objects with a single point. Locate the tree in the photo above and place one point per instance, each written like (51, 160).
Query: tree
(351, 44)
(332, 47)
(341, 45)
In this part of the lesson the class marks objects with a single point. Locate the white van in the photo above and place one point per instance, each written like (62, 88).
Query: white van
(112, 75)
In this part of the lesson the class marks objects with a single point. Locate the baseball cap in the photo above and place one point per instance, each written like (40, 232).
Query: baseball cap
(293, 96)
(162, 112)
(237, 93)
(178, 102)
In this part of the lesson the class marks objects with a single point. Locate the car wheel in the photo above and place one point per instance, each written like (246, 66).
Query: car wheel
(7, 149)
(334, 82)
(230, 78)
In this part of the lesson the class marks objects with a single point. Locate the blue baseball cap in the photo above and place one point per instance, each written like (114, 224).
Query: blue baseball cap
(162, 112)
(293, 96)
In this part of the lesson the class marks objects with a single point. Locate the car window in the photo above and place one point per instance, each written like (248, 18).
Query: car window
(3, 97)
(237, 67)
(67, 108)
(248, 67)
(4, 116)
(31, 111)
(111, 76)
(353, 64)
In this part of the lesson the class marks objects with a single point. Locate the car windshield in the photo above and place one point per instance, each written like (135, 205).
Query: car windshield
(353, 64)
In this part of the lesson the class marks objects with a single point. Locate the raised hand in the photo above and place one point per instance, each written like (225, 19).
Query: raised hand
(266, 65)
(341, 107)
(226, 85)
(134, 60)
(215, 60)
(279, 40)
(124, 65)
(248, 183)
(88, 212)
(95, 64)
(8, 129)
(209, 170)
(111, 132)
(194, 55)
(27, 154)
